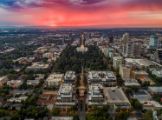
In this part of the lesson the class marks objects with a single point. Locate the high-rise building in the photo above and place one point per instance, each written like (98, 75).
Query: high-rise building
(111, 39)
(153, 43)
(124, 72)
(131, 48)
(126, 45)
(117, 62)
(136, 49)
(158, 56)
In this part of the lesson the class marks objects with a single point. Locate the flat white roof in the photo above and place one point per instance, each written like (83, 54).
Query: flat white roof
(55, 77)
(62, 118)
(117, 58)
(155, 89)
(115, 95)
(131, 82)
(3, 78)
(141, 62)
(38, 65)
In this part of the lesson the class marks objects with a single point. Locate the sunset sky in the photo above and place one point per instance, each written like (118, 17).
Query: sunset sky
(77, 13)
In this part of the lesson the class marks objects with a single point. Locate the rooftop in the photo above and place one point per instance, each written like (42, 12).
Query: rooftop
(55, 77)
(131, 82)
(62, 118)
(65, 89)
(2, 78)
(117, 58)
(142, 96)
(141, 72)
(38, 65)
(70, 75)
(155, 89)
(95, 90)
(101, 75)
(115, 95)
(141, 62)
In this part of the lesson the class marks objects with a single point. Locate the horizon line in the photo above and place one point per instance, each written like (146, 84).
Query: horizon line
(85, 27)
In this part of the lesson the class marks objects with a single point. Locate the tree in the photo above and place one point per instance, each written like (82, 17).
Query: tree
(99, 113)
(136, 104)
(75, 117)
(55, 111)
(70, 59)
(122, 115)
(147, 115)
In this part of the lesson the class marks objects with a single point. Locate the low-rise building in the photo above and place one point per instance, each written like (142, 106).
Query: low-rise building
(155, 90)
(38, 67)
(140, 75)
(17, 99)
(39, 77)
(142, 96)
(150, 105)
(24, 60)
(146, 100)
(95, 95)
(3, 80)
(61, 118)
(70, 77)
(157, 72)
(17, 92)
(54, 80)
(14, 83)
(158, 55)
(140, 63)
(47, 98)
(106, 78)
(116, 96)
(65, 95)
(131, 83)
(32, 82)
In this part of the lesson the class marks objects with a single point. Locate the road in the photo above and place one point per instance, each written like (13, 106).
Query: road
(81, 110)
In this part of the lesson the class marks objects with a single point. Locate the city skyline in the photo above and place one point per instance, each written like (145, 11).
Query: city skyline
(79, 13)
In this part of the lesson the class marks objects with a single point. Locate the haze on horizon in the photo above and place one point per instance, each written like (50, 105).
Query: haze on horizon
(78, 13)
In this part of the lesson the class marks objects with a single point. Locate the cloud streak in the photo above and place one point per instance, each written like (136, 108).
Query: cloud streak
(107, 13)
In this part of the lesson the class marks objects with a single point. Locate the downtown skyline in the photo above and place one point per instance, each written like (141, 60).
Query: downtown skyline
(79, 13)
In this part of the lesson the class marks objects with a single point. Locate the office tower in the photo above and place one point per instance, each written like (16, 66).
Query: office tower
(153, 43)
(158, 55)
(117, 62)
(131, 48)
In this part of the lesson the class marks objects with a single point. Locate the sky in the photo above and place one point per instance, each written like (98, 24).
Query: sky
(81, 13)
